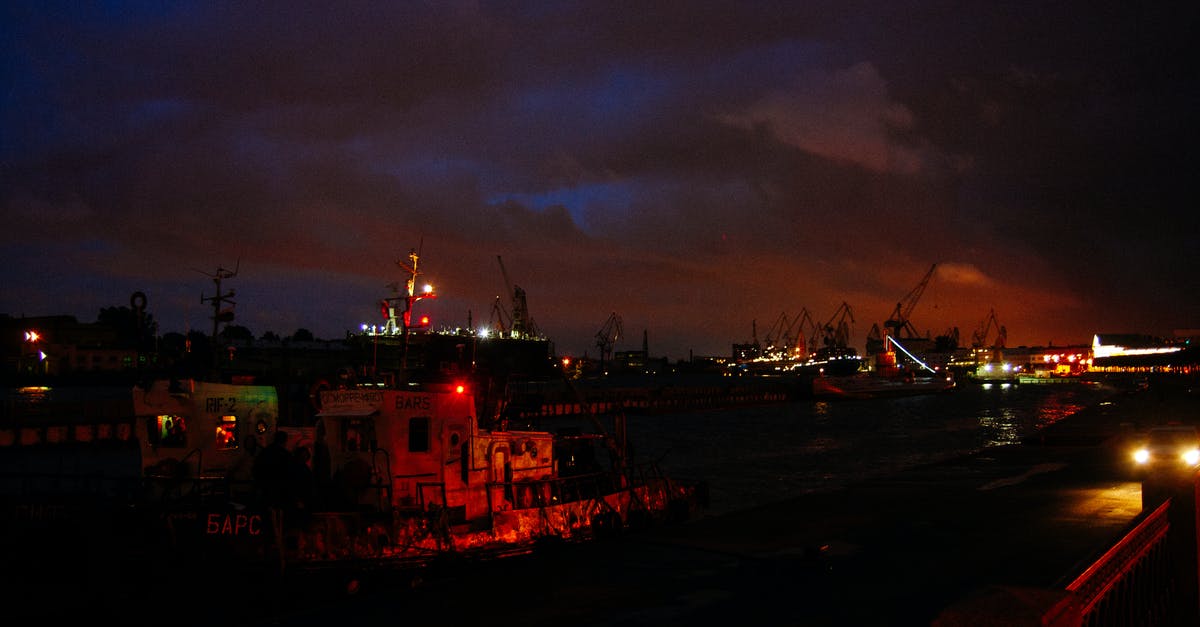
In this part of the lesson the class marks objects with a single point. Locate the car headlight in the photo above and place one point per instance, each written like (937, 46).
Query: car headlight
(1191, 457)
(1141, 455)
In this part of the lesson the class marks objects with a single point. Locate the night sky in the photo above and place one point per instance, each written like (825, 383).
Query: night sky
(698, 168)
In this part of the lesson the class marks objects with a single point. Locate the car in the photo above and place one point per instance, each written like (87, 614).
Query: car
(1167, 448)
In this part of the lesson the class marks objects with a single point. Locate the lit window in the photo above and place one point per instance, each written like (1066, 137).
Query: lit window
(359, 435)
(171, 430)
(227, 433)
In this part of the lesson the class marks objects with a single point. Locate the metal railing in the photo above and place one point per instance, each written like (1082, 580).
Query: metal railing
(1149, 577)
(1131, 584)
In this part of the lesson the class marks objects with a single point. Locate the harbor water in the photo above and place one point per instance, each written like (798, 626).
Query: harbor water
(754, 455)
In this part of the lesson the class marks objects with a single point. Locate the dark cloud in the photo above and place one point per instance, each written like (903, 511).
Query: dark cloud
(695, 168)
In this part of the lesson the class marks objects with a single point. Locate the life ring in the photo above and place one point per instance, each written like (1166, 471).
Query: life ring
(314, 393)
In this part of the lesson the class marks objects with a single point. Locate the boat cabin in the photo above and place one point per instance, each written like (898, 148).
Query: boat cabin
(424, 448)
(190, 428)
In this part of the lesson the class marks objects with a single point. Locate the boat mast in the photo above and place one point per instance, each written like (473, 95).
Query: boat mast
(411, 296)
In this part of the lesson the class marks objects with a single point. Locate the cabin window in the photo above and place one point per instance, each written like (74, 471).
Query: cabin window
(418, 435)
(359, 435)
(171, 430)
(227, 433)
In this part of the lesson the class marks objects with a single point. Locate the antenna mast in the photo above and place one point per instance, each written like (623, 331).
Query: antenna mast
(220, 315)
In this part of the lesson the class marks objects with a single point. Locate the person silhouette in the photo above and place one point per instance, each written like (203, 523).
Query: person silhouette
(272, 471)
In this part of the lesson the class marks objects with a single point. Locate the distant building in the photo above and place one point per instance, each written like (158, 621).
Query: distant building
(1128, 352)
(61, 345)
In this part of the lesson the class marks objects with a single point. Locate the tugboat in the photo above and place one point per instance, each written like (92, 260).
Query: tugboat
(398, 470)
(408, 465)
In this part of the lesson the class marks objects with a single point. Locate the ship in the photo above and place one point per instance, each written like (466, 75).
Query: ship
(871, 385)
(400, 468)
(832, 361)
(889, 378)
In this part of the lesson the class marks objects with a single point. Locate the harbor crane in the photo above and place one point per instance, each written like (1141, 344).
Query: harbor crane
(499, 321)
(522, 325)
(979, 339)
(948, 341)
(779, 341)
(804, 338)
(899, 323)
(608, 335)
(837, 330)
(787, 337)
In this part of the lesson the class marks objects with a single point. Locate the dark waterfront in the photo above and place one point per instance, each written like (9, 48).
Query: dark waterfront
(851, 513)
(759, 454)
(863, 512)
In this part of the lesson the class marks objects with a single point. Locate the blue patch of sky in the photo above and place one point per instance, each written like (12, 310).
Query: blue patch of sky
(152, 112)
(622, 97)
(578, 200)
(618, 97)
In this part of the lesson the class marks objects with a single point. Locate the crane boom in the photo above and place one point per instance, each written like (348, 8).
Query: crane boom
(980, 337)
(837, 330)
(899, 320)
(804, 338)
(521, 323)
(777, 337)
(608, 335)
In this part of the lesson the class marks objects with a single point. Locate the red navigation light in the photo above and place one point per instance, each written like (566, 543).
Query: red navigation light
(460, 388)
(423, 321)
(566, 362)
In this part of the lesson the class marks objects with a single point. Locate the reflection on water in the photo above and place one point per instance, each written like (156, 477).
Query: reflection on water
(754, 455)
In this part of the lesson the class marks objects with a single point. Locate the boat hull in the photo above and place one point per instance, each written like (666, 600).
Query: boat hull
(878, 386)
